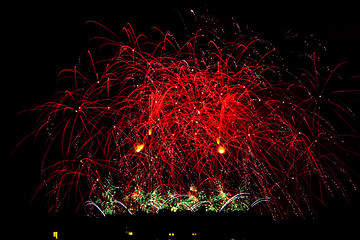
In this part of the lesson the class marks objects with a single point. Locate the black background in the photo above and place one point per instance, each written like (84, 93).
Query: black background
(48, 37)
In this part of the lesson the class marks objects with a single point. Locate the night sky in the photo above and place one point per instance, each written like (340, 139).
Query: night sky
(49, 38)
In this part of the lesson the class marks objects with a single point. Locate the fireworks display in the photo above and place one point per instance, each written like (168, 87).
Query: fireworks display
(207, 124)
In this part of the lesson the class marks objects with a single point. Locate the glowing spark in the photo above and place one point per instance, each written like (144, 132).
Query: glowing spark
(139, 147)
(221, 150)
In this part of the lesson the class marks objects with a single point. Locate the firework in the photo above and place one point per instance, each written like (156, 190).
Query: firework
(209, 124)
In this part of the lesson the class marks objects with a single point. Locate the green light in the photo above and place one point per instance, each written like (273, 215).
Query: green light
(166, 199)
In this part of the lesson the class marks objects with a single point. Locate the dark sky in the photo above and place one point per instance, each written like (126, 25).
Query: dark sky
(50, 37)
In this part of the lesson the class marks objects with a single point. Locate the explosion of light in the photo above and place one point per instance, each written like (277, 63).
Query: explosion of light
(210, 121)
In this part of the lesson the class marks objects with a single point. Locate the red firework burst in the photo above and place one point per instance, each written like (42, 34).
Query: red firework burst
(203, 117)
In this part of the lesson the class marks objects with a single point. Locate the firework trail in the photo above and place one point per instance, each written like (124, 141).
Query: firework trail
(204, 122)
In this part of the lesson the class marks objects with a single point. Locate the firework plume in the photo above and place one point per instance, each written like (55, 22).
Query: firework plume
(210, 124)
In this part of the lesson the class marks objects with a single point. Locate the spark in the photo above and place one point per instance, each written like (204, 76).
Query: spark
(221, 149)
(139, 147)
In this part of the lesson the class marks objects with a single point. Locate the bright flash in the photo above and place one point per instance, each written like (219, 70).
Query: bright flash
(221, 149)
(139, 147)
(150, 131)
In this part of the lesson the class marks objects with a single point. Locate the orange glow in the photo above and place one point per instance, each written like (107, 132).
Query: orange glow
(139, 147)
(221, 149)
(193, 189)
